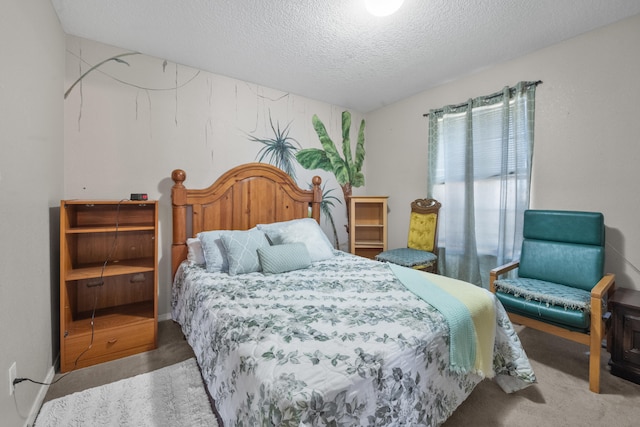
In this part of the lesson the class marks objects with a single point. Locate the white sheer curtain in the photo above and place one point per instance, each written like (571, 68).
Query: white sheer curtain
(480, 157)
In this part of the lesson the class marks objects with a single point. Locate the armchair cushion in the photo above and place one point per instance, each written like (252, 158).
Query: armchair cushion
(568, 297)
(584, 228)
(569, 264)
(563, 306)
(573, 320)
(407, 257)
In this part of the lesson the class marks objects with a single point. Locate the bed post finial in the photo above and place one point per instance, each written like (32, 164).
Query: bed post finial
(317, 198)
(179, 206)
(178, 176)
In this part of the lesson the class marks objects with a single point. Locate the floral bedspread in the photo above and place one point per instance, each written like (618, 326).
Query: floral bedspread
(341, 343)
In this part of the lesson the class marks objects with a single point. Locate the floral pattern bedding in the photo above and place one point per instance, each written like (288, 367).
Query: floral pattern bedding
(341, 343)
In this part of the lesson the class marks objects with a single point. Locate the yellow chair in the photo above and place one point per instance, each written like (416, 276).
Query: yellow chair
(421, 252)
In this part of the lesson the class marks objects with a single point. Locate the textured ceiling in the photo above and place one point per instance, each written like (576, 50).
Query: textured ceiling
(333, 50)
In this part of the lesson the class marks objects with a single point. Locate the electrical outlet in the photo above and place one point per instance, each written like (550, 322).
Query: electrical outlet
(12, 377)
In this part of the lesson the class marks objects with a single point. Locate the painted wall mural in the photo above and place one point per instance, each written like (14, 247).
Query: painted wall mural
(347, 170)
(117, 58)
(130, 119)
(281, 150)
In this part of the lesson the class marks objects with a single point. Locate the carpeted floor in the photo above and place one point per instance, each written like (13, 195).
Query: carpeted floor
(170, 396)
(172, 349)
(561, 397)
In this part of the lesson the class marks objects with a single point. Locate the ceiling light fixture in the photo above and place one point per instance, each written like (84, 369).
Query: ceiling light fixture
(382, 7)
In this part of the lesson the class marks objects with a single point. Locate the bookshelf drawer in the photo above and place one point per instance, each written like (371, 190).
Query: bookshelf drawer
(109, 344)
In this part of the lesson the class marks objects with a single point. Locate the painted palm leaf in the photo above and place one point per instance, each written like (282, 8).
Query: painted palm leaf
(360, 150)
(279, 150)
(312, 157)
(348, 172)
(346, 141)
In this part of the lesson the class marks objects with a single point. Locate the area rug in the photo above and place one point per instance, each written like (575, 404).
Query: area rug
(171, 396)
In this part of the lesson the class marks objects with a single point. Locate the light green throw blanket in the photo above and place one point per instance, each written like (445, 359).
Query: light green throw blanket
(469, 311)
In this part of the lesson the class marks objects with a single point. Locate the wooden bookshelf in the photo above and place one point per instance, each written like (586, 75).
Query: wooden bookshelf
(108, 280)
(367, 225)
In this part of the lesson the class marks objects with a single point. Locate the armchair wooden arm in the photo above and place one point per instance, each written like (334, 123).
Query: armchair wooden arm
(498, 271)
(606, 284)
(605, 287)
(598, 328)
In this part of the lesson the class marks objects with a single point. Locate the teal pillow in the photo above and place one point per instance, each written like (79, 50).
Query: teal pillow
(241, 248)
(283, 258)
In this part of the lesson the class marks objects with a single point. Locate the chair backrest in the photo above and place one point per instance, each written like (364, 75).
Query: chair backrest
(423, 225)
(565, 247)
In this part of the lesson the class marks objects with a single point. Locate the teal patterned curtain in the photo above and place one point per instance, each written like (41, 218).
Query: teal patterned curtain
(479, 160)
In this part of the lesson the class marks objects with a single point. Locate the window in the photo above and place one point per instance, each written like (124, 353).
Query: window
(480, 157)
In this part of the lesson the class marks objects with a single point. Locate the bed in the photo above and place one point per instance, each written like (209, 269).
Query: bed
(292, 332)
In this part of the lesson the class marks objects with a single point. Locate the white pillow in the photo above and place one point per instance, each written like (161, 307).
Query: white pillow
(214, 252)
(195, 254)
(305, 230)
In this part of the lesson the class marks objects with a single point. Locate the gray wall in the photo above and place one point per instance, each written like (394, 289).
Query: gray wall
(31, 185)
(585, 158)
(586, 150)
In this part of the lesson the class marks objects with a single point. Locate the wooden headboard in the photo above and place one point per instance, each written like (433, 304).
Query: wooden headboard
(249, 194)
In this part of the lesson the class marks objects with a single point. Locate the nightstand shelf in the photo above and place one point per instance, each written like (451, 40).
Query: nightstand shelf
(368, 225)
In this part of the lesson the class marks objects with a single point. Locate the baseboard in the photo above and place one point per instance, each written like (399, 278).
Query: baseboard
(37, 404)
(166, 316)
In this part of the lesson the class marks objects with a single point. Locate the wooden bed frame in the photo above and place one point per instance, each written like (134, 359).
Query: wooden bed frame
(247, 195)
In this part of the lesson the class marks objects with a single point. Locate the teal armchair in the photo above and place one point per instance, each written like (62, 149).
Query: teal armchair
(560, 287)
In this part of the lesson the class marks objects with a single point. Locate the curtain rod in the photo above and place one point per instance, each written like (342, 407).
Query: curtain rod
(495, 95)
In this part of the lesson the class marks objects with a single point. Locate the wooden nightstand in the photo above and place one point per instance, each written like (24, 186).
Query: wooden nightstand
(625, 348)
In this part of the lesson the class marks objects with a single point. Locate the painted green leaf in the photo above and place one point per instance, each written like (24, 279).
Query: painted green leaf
(342, 174)
(360, 150)
(339, 166)
(313, 158)
(347, 172)
(358, 180)
(346, 141)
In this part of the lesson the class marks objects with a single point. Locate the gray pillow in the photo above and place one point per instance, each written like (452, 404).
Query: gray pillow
(283, 258)
(242, 250)
(305, 230)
